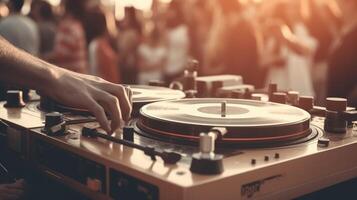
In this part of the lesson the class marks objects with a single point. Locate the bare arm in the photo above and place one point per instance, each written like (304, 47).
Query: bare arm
(73, 89)
(294, 43)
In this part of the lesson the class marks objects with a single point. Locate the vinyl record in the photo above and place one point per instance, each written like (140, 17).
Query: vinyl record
(141, 95)
(148, 94)
(245, 120)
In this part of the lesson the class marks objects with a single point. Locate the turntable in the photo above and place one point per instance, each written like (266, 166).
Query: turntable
(198, 148)
(248, 122)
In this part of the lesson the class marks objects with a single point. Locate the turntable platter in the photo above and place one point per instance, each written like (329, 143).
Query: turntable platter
(148, 94)
(245, 120)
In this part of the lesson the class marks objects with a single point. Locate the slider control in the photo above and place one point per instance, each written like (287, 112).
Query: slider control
(168, 157)
(223, 108)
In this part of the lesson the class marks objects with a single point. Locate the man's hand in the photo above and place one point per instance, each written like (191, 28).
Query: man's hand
(98, 96)
(13, 191)
(70, 88)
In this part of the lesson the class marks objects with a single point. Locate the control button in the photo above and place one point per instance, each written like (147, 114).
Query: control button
(336, 104)
(323, 142)
(279, 97)
(293, 97)
(276, 155)
(14, 99)
(128, 133)
(94, 184)
(306, 102)
(158, 83)
(253, 161)
(266, 158)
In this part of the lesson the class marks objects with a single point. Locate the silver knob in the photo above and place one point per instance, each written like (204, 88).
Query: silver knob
(207, 144)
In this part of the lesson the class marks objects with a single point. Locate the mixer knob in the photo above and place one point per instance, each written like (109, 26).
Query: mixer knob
(336, 104)
(256, 97)
(207, 143)
(128, 133)
(215, 86)
(247, 94)
(238, 94)
(14, 99)
(54, 124)
(53, 118)
(190, 75)
(293, 98)
(306, 102)
(334, 123)
(190, 93)
(272, 88)
(279, 97)
(176, 85)
(202, 89)
(189, 80)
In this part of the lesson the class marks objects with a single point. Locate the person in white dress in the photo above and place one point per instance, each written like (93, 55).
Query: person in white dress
(297, 46)
(152, 55)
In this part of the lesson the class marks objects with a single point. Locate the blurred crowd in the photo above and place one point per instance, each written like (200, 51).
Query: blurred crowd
(303, 45)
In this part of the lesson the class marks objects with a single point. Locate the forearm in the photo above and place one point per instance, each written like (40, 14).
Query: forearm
(298, 47)
(20, 68)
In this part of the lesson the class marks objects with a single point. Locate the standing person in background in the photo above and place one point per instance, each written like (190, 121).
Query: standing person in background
(70, 49)
(296, 45)
(199, 23)
(103, 56)
(42, 13)
(20, 30)
(130, 38)
(234, 45)
(152, 55)
(323, 25)
(342, 62)
(177, 41)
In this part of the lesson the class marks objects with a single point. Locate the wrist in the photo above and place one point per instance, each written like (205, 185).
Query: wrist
(49, 79)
